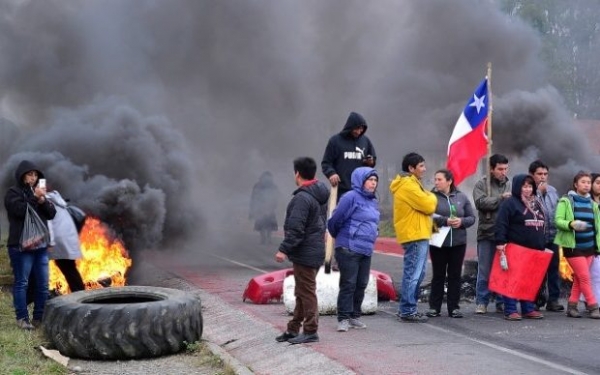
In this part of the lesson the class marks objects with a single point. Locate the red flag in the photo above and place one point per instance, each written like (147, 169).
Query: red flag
(468, 143)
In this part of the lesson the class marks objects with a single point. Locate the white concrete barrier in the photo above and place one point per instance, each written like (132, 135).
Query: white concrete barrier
(327, 293)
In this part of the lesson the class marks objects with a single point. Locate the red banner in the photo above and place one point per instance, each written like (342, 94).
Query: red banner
(526, 270)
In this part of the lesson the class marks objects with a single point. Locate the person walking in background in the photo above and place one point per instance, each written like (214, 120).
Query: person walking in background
(24, 262)
(65, 247)
(354, 225)
(487, 204)
(413, 207)
(521, 221)
(453, 210)
(548, 197)
(346, 151)
(304, 246)
(263, 205)
(577, 221)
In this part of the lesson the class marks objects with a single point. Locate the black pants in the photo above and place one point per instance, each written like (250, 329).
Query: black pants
(447, 264)
(67, 267)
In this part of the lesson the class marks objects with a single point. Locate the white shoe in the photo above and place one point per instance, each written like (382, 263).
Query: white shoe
(343, 326)
(357, 324)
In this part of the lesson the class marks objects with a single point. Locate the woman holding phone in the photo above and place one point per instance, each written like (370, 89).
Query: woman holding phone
(27, 190)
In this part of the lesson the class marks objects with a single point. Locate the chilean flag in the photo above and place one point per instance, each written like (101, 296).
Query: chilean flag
(468, 143)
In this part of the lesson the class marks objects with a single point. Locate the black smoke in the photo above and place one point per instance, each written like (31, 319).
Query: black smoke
(159, 116)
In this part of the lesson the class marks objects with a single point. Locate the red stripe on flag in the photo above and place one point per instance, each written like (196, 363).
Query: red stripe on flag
(465, 153)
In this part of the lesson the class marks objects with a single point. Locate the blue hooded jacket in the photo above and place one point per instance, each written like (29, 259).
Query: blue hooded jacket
(354, 222)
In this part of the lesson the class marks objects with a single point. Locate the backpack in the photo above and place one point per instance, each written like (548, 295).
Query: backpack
(78, 216)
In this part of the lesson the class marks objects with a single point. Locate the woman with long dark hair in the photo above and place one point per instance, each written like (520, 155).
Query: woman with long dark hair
(454, 210)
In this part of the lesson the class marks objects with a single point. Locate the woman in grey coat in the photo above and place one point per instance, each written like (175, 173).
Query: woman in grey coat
(65, 247)
(455, 212)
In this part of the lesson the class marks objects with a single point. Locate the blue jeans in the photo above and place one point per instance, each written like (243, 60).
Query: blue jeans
(23, 264)
(486, 249)
(415, 264)
(510, 306)
(355, 270)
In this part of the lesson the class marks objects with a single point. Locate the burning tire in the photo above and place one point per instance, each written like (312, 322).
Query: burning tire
(123, 322)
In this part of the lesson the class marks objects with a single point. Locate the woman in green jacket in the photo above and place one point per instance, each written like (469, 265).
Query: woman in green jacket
(577, 220)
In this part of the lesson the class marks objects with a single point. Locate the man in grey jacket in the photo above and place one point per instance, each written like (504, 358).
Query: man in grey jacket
(548, 196)
(487, 201)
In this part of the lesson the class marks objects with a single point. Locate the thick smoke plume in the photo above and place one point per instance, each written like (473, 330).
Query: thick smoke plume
(124, 168)
(155, 114)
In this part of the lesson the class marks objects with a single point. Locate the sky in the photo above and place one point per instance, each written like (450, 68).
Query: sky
(159, 116)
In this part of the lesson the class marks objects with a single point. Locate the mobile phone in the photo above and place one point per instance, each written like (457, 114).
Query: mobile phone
(42, 183)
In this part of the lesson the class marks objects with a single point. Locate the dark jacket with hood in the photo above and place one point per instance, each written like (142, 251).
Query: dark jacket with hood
(344, 153)
(304, 227)
(518, 224)
(354, 222)
(16, 199)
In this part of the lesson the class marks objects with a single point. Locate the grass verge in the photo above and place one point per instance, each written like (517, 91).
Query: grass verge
(19, 353)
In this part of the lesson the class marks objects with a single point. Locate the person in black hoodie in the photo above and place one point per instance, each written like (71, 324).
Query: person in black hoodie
(26, 262)
(521, 221)
(346, 151)
(304, 246)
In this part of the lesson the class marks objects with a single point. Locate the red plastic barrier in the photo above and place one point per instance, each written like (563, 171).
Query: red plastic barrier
(267, 287)
(385, 286)
(526, 270)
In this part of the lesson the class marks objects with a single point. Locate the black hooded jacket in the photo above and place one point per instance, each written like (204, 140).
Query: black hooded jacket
(16, 199)
(518, 224)
(344, 153)
(304, 227)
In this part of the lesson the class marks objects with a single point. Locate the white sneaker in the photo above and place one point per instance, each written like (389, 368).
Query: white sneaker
(355, 323)
(343, 326)
(481, 309)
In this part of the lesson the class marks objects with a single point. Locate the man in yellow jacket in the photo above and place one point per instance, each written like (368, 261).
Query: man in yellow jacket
(413, 207)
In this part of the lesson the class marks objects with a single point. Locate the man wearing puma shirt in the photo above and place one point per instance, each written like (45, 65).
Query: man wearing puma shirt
(346, 151)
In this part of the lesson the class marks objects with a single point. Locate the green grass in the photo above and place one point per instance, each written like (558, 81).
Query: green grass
(206, 358)
(19, 353)
(5, 271)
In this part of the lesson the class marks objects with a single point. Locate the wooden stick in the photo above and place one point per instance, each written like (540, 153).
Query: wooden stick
(328, 239)
(489, 128)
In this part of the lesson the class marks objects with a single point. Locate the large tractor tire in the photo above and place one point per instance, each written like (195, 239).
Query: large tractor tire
(123, 322)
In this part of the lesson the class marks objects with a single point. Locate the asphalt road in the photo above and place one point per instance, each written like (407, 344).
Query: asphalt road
(223, 266)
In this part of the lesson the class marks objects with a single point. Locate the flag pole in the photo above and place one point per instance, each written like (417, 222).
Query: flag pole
(489, 127)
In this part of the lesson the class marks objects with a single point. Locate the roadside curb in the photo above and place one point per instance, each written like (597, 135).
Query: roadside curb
(254, 345)
(236, 365)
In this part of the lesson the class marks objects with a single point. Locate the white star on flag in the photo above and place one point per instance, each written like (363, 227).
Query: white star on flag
(478, 102)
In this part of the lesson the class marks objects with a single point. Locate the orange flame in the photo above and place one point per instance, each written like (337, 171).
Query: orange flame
(104, 258)
(564, 268)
